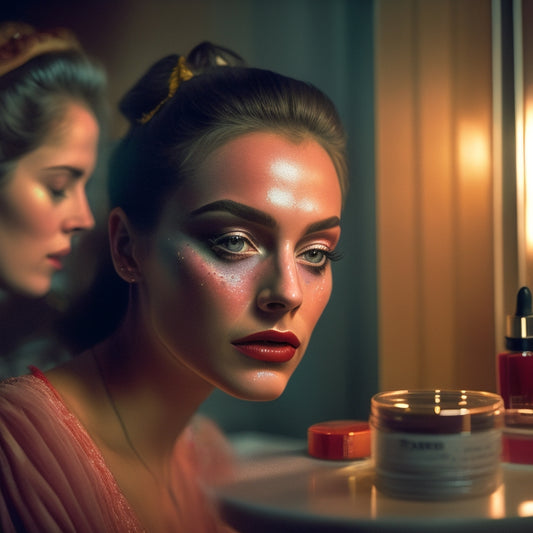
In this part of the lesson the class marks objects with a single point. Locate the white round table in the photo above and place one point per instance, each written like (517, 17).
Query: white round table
(279, 488)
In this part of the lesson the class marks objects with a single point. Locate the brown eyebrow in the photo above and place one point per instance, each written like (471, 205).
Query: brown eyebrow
(73, 171)
(243, 211)
(331, 222)
(259, 217)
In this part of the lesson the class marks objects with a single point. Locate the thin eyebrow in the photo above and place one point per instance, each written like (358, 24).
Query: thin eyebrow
(73, 171)
(259, 217)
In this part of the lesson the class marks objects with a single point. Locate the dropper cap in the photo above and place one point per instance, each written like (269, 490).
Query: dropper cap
(520, 325)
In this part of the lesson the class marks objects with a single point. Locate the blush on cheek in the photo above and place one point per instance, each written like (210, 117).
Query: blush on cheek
(231, 284)
(26, 215)
(231, 280)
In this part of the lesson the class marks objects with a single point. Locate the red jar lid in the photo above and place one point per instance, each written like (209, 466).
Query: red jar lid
(339, 439)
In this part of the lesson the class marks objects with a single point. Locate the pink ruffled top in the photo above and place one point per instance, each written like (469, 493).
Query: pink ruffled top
(54, 478)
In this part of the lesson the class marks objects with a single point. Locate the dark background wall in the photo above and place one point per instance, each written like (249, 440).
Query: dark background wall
(327, 42)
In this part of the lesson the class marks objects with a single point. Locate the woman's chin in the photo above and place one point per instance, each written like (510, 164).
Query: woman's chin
(31, 290)
(262, 386)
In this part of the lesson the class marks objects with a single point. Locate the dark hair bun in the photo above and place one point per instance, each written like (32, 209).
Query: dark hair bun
(152, 88)
(207, 55)
(149, 90)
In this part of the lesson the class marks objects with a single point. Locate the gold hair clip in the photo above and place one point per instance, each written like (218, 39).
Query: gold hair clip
(20, 42)
(180, 73)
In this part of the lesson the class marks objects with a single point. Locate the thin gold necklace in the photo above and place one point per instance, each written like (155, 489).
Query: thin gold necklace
(125, 432)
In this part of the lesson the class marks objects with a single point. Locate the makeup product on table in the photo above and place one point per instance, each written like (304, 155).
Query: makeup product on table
(515, 382)
(339, 440)
(436, 444)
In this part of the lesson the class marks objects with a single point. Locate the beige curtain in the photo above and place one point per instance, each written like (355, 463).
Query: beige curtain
(435, 215)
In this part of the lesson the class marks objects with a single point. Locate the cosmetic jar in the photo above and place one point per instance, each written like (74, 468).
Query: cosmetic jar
(436, 444)
(339, 440)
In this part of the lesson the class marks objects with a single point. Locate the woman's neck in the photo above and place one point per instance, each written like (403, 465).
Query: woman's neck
(152, 394)
(132, 395)
(24, 320)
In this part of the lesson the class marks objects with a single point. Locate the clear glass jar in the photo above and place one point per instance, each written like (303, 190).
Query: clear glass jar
(436, 444)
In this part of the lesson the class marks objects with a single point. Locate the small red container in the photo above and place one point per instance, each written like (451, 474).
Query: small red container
(339, 440)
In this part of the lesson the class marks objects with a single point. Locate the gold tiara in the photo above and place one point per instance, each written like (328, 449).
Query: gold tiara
(179, 74)
(20, 42)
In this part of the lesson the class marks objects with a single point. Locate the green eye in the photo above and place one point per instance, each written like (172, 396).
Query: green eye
(318, 259)
(315, 256)
(234, 243)
(232, 246)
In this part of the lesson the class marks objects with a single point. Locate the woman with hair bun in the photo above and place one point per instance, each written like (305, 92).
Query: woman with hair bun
(226, 198)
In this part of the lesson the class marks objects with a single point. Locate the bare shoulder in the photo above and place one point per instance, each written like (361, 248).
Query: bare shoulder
(77, 382)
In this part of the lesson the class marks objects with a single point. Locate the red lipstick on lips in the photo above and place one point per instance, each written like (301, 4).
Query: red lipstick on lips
(270, 346)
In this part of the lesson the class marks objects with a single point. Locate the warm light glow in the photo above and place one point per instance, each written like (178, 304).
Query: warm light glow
(525, 508)
(373, 502)
(352, 485)
(497, 503)
(455, 412)
(464, 398)
(401, 405)
(528, 177)
(474, 150)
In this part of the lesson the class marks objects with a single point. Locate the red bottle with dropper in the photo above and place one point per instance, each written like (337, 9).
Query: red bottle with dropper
(515, 382)
(515, 367)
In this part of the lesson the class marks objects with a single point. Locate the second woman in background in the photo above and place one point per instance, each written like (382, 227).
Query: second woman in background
(52, 98)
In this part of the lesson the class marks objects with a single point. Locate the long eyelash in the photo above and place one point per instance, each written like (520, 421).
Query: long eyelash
(331, 257)
(212, 244)
(334, 255)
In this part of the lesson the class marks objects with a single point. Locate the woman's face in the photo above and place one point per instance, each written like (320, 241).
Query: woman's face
(239, 271)
(43, 203)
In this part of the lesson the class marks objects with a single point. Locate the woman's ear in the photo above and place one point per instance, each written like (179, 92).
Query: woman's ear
(123, 243)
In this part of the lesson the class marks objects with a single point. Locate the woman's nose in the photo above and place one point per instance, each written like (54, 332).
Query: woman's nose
(281, 288)
(80, 216)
